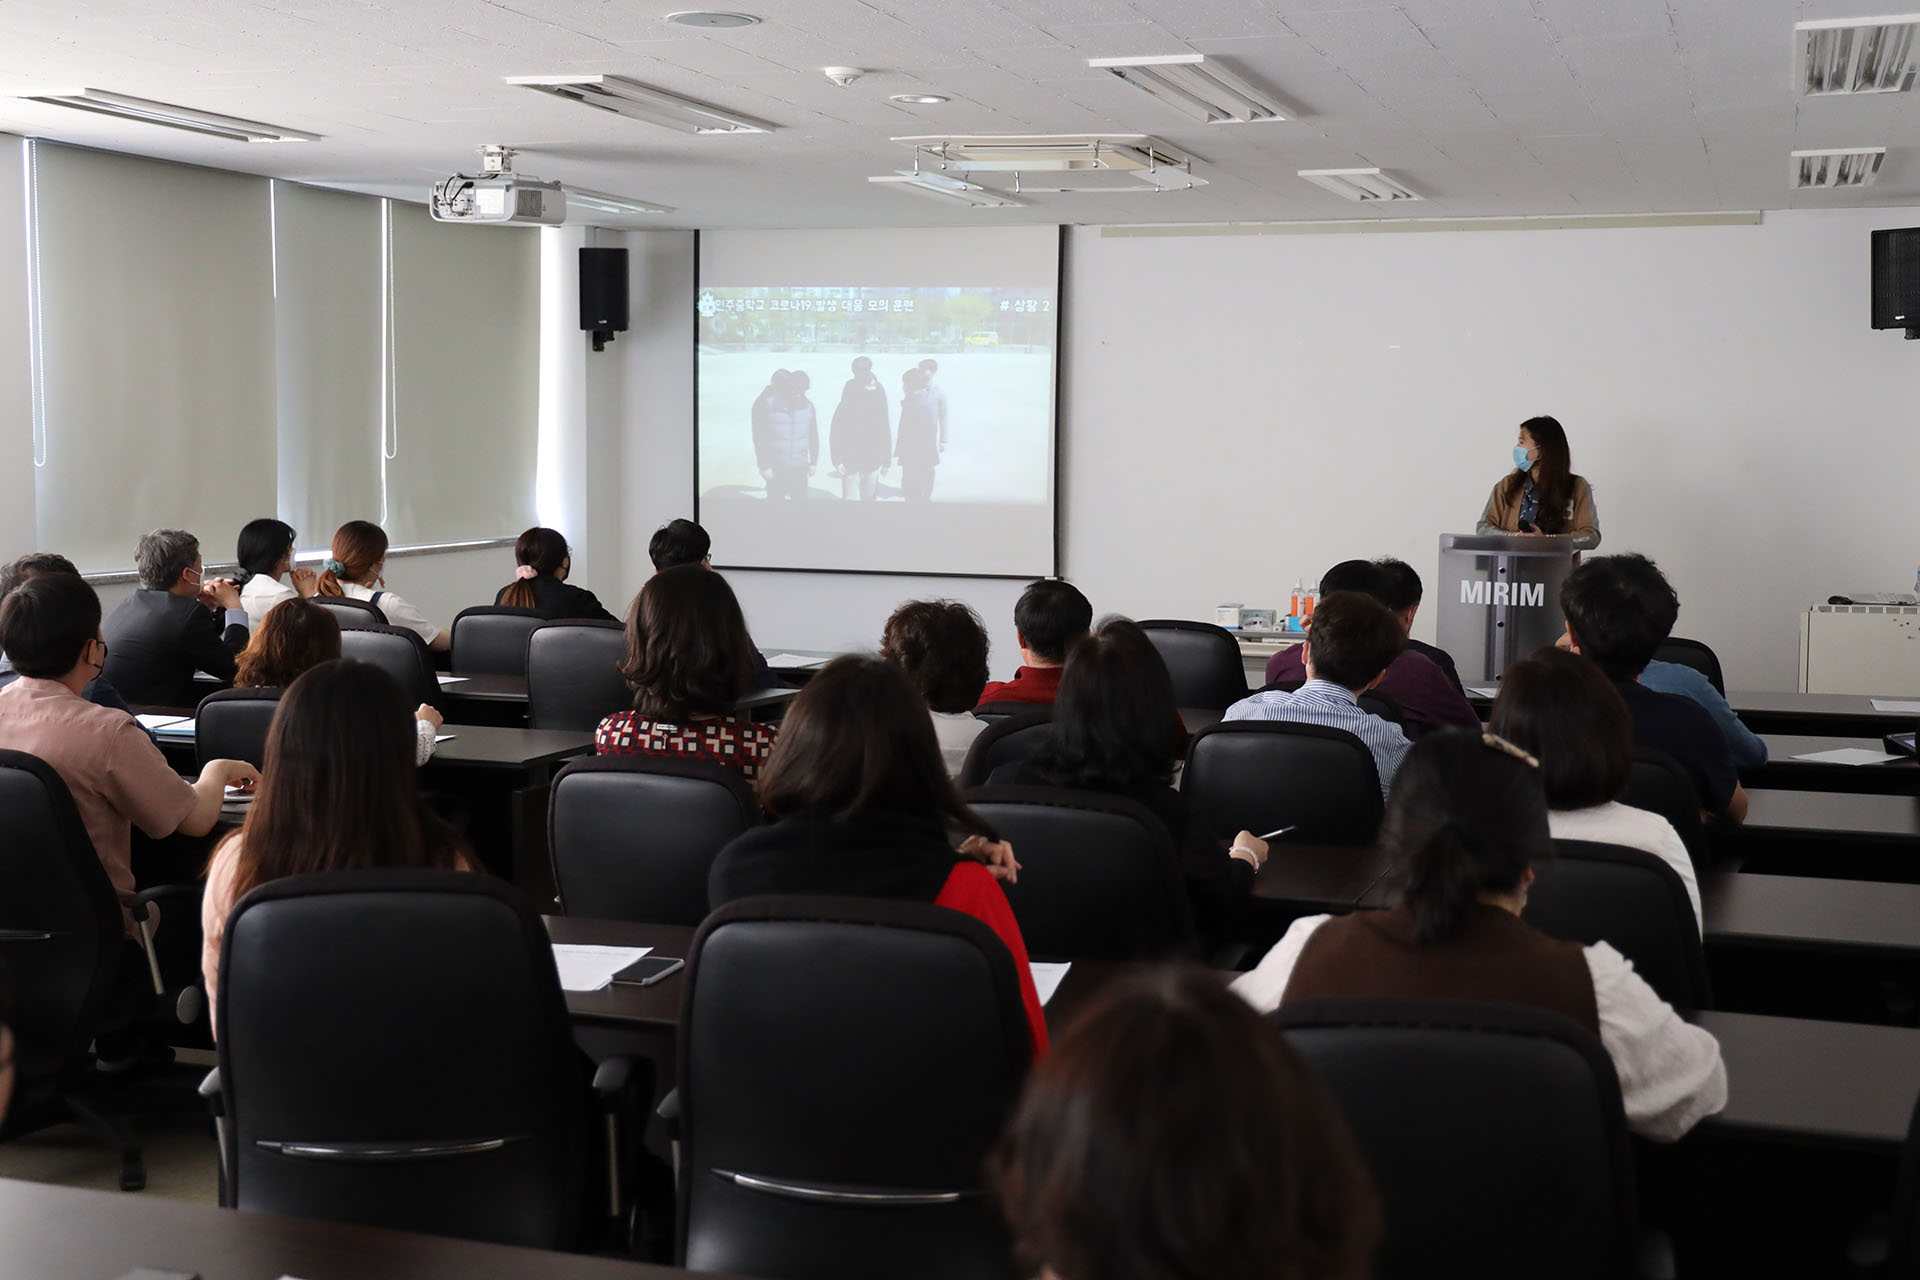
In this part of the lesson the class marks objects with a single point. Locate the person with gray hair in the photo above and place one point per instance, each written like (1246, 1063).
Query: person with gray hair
(177, 622)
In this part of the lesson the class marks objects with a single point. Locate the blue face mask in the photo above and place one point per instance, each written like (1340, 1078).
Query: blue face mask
(1521, 462)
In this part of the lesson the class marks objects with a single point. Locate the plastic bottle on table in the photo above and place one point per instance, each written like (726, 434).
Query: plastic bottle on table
(1297, 602)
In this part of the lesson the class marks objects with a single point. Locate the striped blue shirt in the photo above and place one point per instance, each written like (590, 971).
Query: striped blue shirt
(1324, 703)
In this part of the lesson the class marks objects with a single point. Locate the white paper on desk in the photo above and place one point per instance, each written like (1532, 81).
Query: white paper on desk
(446, 680)
(445, 737)
(179, 724)
(1909, 706)
(584, 968)
(1483, 691)
(1848, 755)
(795, 660)
(1047, 977)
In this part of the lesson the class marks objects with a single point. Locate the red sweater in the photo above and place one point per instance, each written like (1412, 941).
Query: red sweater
(971, 888)
(1039, 685)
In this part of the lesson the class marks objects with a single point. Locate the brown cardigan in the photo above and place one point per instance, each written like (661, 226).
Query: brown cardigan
(1503, 514)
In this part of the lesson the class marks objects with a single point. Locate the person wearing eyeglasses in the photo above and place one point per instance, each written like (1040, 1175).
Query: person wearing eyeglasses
(177, 623)
(1465, 824)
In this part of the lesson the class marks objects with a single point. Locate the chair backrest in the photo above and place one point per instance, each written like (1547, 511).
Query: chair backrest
(232, 724)
(573, 674)
(1589, 892)
(1459, 1107)
(60, 933)
(395, 1051)
(351, 613)
(633, 837)
(1692, 653)
(1099, 876)
(1204, 661)
(401, 654)
(491, 640)
(1383, 705)
(1259, 775)
(1004, 741)
(1658, 784)
(845, 1065)
(991, 711)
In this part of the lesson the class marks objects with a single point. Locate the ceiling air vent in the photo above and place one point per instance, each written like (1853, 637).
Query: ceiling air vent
(1367, 186)
(638, 101)
(1854, 55)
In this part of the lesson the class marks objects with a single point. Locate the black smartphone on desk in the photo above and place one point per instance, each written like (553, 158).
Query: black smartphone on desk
(648, 970)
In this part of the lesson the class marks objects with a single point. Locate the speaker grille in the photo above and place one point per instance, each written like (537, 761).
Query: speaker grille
(1896, 278)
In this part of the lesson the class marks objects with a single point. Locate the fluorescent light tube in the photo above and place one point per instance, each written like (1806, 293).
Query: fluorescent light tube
(1855, 55)
(601, 202)
(942, 187)
(1837, 167)
(1042, 153)
(147, 111)
(1195, 87)
(1363, 185)
(637, 101)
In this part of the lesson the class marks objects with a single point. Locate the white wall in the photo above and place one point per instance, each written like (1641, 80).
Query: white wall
(16, 413)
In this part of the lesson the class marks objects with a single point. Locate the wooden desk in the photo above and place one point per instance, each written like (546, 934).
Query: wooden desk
(1320, 877)
(1841, 715)
(1829, 814)
(1783, 772)
(1810, 914)
(1829, 1084)
(61, 1233)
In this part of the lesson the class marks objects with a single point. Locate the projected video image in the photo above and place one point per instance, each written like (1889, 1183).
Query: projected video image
(876, 395)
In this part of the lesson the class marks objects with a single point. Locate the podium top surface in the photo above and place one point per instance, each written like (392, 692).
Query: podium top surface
(1515, 544)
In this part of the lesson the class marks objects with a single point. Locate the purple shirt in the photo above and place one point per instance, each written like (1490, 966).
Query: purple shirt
(1427, 698)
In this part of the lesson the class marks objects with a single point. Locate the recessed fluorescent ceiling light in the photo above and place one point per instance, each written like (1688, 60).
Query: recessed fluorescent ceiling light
(1050, 152)
(148, 111)
(1195, 87)
(711, 19)
(942, 187)
(1854, 55)
(601, 202)
(1839, 167)
(643, 102)
(918, 99)
(1368, 186)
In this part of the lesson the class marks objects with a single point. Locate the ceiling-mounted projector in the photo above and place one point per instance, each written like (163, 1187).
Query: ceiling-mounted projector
(497, 196)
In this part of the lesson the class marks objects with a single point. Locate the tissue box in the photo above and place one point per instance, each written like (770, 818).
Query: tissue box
(1227, 615)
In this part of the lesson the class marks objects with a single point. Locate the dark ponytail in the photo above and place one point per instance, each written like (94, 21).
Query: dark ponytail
(541, 550)
(1467, 816)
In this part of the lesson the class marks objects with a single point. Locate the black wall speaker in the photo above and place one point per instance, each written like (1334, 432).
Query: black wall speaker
(1896, 280)
(603, 293)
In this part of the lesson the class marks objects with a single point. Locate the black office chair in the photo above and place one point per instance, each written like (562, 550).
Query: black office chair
(1383, 705)
(401, 654)
(1658, 784)
(633, 837)
(573, 674)
(992, 711)
(1099, 875)
(491, 640)
(351, 613)
(845, 1065)
(395, 1051)
(1589, 892)
(1204, 661)
(1259, 775)
(232, 724)
(63, 948)
(1459, 1108)
(1692, 653)
(1003, 742)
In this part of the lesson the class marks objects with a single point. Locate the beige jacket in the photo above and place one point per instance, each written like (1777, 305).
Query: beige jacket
(1583, 526)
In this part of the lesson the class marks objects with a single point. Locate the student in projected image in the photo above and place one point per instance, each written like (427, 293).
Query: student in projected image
(918, 448)
(786, 435)
(860, 441)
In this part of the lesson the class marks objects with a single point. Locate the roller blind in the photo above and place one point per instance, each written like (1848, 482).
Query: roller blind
(330, 313)
(155, 352)
(463, 440)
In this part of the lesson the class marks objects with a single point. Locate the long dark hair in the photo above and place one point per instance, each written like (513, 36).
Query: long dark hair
(1172, 1133)
(544, 551)
(358, 545)
(688, 652)
(1465, 817)
(339, 790)
(856, 741)
(295, 637)
(1553, 483)
(262, 544)
(1114, 720)
(1564, 709)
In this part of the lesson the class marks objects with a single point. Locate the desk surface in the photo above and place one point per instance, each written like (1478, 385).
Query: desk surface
(1809, 914)
(492, 746)
(512, 689)
(1871, 817)
(1823, 1083)
(61, 1233)
(1335, 877)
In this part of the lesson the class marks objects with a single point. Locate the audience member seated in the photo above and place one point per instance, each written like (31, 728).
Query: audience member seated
(339, 793)
(50, 626)
(681, 541)
(1618, 610)
(942, 646)
(353, 569)
(1427, 699)
(688, 662)
(862, 805)
(1351, 645)
(540, 583)
(1404, 593)
(297, 636)
(99, 689)
(1109, 733)
(1467, 819)
(1049, 619)
(1173, 1134)
(267, 575)
(1677, 678)
(1559, 708)
(175, 624)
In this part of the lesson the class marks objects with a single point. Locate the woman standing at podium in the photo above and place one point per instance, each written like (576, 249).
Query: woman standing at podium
(1541, 495)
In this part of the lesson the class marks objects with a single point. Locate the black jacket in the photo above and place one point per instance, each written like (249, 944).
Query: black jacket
(157, 640)
(555, 600)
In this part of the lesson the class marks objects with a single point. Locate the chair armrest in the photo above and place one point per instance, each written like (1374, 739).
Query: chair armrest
(137, 903)
(210, 1092)
(610, 1078)
(669, 1108)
